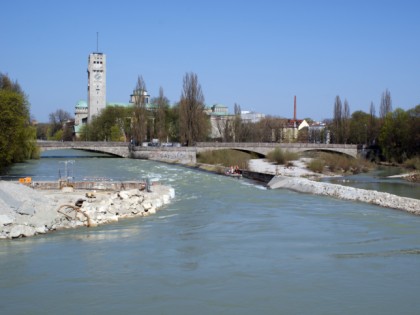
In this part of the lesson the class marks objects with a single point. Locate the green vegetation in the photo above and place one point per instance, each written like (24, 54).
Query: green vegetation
(17, 137)
(282, 157)
(316, 165)
(413, 163)
(225, 158)
(338, 163)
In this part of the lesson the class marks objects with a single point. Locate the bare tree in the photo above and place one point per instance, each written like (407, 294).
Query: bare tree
(237, 124)
(162, 104)
(337, 120)
(193, 122)
(346, 121)
(372, 124)
(58, 120)
(386, 104)
(140, 111)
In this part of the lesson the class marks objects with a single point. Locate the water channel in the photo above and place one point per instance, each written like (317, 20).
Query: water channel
(223, 246)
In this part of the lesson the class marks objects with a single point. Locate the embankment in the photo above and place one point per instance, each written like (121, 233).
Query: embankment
(347, 193)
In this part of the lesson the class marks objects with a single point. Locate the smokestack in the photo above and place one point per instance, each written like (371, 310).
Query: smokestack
(294, 112)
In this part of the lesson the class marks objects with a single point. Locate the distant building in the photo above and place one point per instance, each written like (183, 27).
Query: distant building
(318, 133)
(290, 132)
(219, 117)
(251, 117)
(96, 84)
(80, 116)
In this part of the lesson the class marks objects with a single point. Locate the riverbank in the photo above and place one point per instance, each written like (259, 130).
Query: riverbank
(300, 179)
(382, 199)
(25, 211)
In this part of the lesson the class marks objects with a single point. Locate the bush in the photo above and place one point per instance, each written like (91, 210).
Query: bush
(342, 163)
(281, 157)
(413, 163)
(225, 157)
(316, 165)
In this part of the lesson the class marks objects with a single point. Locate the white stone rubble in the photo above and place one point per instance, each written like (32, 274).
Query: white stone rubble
(27, 212)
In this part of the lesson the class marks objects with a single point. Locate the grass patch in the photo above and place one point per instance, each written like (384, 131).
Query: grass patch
(281, 157)
(226, 158)
(413, 163)
(338, 163)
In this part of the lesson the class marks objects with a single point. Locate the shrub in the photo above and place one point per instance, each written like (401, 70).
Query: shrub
(413, 163)
(281, 157)
(316, 165)
(225, 157)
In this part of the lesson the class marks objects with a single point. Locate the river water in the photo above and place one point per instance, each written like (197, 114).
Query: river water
(223, 246)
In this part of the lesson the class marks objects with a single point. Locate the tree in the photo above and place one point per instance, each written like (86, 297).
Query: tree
(337, 121)
(58, 120)
(237, 123)
(372, 125)
(140, 111)
(395, 136)
(346, 122)
(386, 104)
(414, 131)
(358, 127)
(17, 137)
(112, 124)
(193, 122)
(161, 114)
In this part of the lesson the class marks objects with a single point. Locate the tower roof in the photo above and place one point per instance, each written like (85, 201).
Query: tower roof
(82, 104)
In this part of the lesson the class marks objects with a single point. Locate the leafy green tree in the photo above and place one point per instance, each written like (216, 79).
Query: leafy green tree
(414, 131)
(112, 124)
(395, 136)
(17, 137)
(359, 128)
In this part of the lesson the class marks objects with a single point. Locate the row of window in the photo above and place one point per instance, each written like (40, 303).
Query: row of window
(98, 70)
(97, 62)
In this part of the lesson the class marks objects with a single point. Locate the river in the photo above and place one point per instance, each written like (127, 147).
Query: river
(223, 246)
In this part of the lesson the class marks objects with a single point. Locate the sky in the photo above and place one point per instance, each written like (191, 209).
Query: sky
(257, 54)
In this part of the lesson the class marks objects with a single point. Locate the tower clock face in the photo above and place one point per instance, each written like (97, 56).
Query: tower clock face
(98, 77)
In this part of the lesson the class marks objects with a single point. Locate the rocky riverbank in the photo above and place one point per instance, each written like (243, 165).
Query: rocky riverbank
(26, 212)
(347, 193)
(298, 178)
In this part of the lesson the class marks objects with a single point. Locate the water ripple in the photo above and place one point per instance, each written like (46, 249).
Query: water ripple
(390, 253)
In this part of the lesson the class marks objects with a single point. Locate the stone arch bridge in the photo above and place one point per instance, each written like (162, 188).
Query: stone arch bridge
(115, 148)
(186, 155)
(264, 148)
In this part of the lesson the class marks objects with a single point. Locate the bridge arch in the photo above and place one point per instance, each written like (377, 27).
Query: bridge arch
(263, 149)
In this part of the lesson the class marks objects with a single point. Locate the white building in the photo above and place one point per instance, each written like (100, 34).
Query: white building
(96, 84)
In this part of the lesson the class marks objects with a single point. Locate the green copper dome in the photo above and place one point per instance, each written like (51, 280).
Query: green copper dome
(81, 104)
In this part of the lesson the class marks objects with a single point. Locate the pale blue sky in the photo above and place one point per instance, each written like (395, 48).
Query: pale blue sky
(258, 54)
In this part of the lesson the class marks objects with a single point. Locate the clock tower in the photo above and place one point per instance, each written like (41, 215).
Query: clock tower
(96, 84)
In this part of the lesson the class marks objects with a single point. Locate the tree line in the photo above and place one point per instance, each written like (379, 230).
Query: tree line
(394, 135)
(17, 136)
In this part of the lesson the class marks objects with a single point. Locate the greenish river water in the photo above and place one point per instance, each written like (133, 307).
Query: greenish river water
(223, 246)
